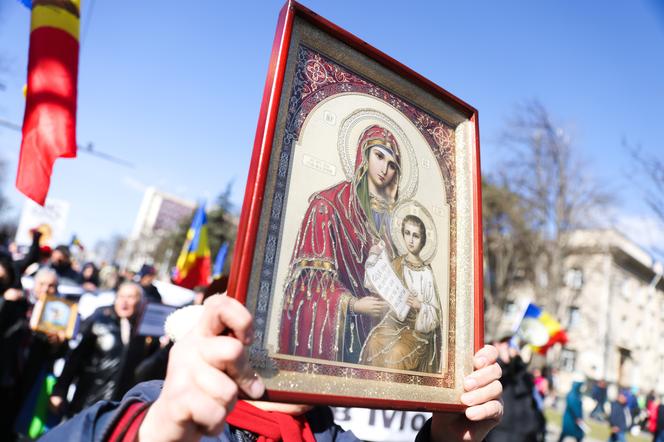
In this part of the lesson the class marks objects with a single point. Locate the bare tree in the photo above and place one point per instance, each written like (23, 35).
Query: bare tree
(222, 228)
(510, 246)
(557, 194)
(652, 169)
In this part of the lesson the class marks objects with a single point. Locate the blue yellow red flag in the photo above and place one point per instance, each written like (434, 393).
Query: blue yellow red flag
(219, 261)
(75, 241)
(193, 265)
(541, 330)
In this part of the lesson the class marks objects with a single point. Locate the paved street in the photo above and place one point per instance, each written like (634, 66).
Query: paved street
(553, 431)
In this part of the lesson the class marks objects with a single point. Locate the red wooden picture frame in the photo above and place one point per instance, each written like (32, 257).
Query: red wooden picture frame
(306, 40)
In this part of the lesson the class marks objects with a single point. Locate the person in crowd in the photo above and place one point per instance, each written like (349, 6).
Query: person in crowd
(541, 383)
(598, 394)
(658, 433)
(8, 273)
(90, 277)
(27, 355)
(103, 363)
(109, 277)
(12, 310)
(523, 420)
(62, 264)
(620, 418)
(573, 417)
(205, 374)
(33, 256)
(653, 406)
(632, 404)
(154, 367)
(146, 278)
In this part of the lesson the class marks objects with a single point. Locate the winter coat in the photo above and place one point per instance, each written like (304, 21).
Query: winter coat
(102, 366)
(618, 417)
(522, 420)
(573, 412)
(98, 421)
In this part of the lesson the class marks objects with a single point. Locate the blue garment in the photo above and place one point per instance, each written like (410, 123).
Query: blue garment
(618, 437)
(573, 413)
(98, 421)
(619, 416)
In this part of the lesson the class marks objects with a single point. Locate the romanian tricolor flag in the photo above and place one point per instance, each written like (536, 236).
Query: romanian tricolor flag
(219, 261)
(76, 242)
(193, 266)
(49, 123)
(540, 329)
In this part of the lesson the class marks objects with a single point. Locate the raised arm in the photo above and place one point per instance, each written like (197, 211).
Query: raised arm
(206, 370)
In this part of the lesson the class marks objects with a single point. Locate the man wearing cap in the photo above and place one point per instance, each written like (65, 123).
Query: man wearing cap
(61, 263)
(146, 278)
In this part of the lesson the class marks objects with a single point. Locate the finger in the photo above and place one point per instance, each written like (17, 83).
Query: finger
(222, 313)
(487, 355)
(492, 410)
(483, 394)
(483, 376)
(208, 414)
(216, 384)
(227, 354)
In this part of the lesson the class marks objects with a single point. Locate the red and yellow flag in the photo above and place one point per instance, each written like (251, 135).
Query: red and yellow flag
(49, 123)
(193, 265)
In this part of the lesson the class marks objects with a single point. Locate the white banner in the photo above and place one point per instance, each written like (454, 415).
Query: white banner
(51, 220)
(381, 425)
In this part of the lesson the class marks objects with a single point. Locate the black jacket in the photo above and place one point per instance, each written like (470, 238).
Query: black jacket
(660, 419)
(522, 420)
(151, 293)
(24, 353)
(101, 365)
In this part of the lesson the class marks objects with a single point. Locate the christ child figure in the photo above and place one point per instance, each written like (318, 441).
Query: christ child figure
(412, 344)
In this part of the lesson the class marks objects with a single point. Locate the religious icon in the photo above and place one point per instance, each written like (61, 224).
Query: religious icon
(359, 240)
(55, 314)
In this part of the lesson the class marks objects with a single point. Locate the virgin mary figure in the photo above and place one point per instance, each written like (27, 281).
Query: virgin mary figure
(327, 311)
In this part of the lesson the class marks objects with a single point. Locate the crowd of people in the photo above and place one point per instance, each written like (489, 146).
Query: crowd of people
(103, 359)
(529, 389)
(629, 412)
(47, 377)
(76, 387)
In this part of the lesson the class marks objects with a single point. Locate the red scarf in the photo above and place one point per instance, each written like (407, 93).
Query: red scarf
(270, 426)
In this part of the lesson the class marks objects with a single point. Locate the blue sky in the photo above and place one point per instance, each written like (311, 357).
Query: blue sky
(176, 90)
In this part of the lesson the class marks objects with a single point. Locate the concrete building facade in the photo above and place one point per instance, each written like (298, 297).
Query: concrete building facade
(160, 213)
(612, 307)
(615, 319)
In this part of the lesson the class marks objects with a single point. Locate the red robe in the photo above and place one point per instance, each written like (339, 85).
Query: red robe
(327, 271)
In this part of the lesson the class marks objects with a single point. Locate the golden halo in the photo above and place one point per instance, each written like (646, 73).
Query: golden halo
(349, 134)
(412, 207)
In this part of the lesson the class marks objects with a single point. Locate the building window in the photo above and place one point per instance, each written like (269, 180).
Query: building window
(625, 289)
(568, 360)
(573, 317)
(574, 279)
